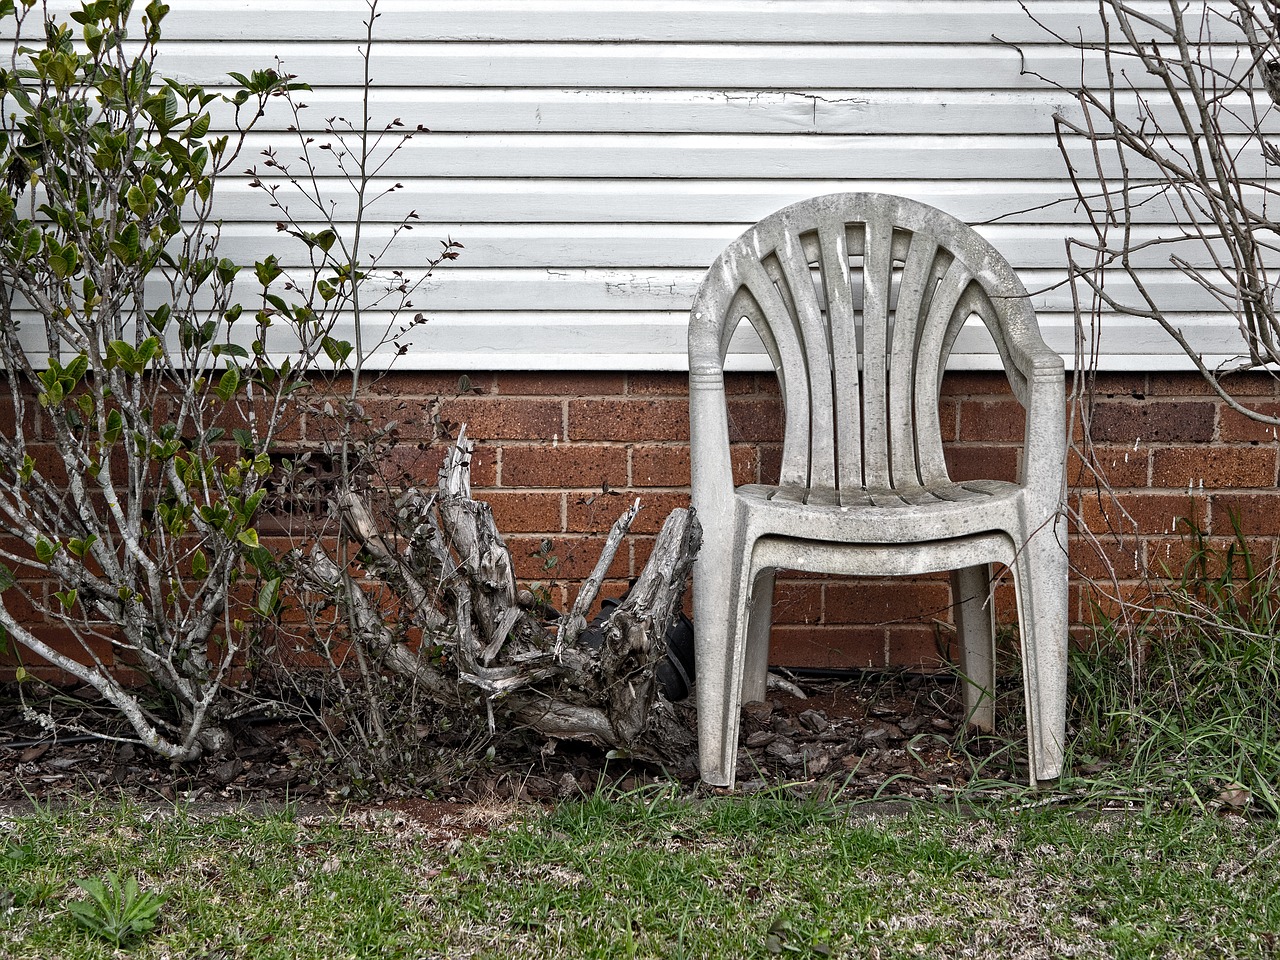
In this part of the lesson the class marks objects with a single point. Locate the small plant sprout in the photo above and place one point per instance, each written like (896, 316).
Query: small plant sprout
(117, 910)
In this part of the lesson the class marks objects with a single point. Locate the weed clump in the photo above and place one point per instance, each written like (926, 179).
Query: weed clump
(1194, 707)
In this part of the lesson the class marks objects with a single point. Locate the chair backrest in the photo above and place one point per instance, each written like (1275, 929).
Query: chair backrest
(858, 299)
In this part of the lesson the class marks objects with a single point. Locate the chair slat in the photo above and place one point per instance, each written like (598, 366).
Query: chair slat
(790, 360)
(877, 270)
(905, 426)
(933, 350)
(794, 264)
(842, 315)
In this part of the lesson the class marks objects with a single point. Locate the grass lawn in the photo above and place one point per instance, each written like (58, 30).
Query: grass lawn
(646, 875)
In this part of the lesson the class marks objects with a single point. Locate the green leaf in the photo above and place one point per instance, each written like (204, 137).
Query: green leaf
(128, 245)
(243, 437)
(336, 350)
(267, 270)
(138, 201)
(248, 537)
(7, 579)
(268, 597)
(199, 563)
(45, 550)
(228, 383)
(115, 424)
(67, 598)
(79, 548)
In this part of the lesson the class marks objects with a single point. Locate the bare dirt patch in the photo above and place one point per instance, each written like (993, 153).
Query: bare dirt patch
(875, 735)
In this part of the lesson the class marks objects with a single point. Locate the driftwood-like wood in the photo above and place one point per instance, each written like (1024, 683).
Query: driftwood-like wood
(455, 582)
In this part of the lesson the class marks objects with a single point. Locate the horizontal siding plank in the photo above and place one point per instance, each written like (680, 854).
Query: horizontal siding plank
(624, 200)
(620, 245)
(656, 289)
(688, 156)
(864, 111)
(656, 340)
(707, 21)
(813, 66)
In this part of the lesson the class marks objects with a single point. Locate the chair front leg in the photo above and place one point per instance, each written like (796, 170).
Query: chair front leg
(1040, 577)
(719, 634)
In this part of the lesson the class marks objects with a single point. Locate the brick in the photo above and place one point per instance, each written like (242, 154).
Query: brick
(628, 420)
(949, 419)
(886, 601)
(234, 416)
(595, 512)
(668, 466)
(610, 589)
(1165, 383)
(797, 602)
(981, 462)
(924, 649)
(574, 466)
(524, 512)
(1213, 467)
(974, 384)
(424, 384)
(1151, 422)
(664, 384)
(641, 550)
(419, 464)
(1251, 384)
(1111, 385)
(992, 420)
(63, 641)
(1235, 427)
(654, 510)
(770, 455)
(1005, 603)
(575, 556)
(489, 418)
(560, 384)
(1104, 603)
(1258, 514)
(1192, 384)
(755, 419)
(1102, 558)
(1145, 513)
(1114, 466)
(827, 647)
(764, 383)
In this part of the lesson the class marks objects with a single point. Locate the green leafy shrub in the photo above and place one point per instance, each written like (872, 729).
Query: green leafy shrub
(145, 394)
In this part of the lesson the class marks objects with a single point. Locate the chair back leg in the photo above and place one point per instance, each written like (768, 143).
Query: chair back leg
(975, 629)
(755, 669)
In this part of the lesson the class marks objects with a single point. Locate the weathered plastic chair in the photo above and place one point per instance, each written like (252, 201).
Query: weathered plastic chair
(858, 299)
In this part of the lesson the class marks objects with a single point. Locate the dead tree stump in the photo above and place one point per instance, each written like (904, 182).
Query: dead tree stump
(492, 648)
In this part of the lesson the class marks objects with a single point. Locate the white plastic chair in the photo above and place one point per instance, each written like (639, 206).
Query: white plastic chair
(858, 299)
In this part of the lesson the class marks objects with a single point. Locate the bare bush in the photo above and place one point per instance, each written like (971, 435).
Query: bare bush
(1181, 131)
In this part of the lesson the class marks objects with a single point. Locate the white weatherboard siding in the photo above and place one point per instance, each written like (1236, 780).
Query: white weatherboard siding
(595, 156)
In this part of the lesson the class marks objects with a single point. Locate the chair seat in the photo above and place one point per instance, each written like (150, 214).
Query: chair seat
(915, 514)
(941, 493)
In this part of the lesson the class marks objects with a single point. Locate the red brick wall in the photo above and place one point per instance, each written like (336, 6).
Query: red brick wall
(549, 443)
(560, 455)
